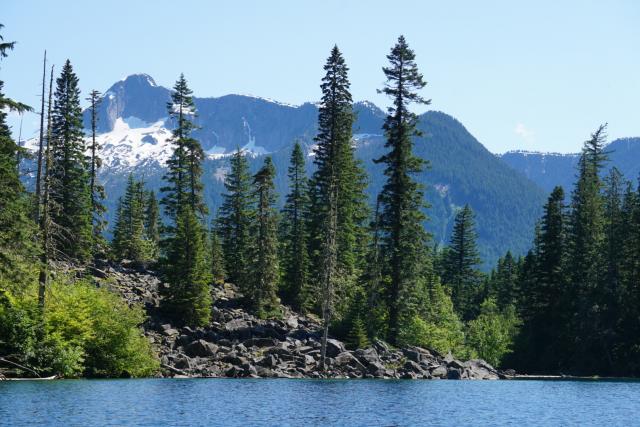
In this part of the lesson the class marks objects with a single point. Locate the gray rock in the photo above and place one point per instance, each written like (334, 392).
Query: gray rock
(367, 355)
(201, 348)
(183, 362)
(334, 347)
(412, 366)
(413, 355)
(439, 372)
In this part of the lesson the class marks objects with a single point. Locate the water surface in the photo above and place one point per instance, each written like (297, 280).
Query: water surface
(267, 402)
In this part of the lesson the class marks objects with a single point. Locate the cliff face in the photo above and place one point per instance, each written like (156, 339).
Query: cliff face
(237, 344)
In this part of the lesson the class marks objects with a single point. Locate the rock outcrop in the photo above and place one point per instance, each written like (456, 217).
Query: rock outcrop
(237, 344)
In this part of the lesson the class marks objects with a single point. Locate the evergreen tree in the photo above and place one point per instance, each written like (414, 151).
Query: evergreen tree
(262, 283)
(403, 237)
(542, 345)
(460, 264)
(218, 271)
(188, 296)
(338, 202)
(336, 190)
(586, 256)
(235, 217)
(184, 173)
(130, 237)
(96, 190)
(69, 190)
(295, 258)
(152, 223)
(16, 229)
(185, 264)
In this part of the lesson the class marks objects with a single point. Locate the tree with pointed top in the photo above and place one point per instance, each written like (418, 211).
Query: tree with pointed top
(184, 168)
(262, 284)
(586, 255)
(96, 190)
(460, 264)
(69, 172)
(403, 238)
(337, 232)
(295, 256)
(235, 217)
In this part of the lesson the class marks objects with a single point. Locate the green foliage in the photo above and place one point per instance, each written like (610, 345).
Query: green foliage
(460, 261)
(234, 218)
(295, 235)
(492, 333)
(69, 173)
(85, 331)
(437, 327)
(186, 269)
(261, 286)
(337, 233)
(132, 239)
(403, 237)
(184, 168)
(17, 230)
(218, 271)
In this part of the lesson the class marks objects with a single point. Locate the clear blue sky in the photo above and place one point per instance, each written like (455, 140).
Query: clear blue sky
(539, 76)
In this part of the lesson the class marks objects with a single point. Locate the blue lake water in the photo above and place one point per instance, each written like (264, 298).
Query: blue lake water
(263, 402)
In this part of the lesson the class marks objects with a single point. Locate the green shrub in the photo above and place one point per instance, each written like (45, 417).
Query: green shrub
(85, 331)
(437, 327)
(492, 333)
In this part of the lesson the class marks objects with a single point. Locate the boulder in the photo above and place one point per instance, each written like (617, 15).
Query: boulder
(334, 347)
(439, 372)
(367, 355)
(412, 366)
(234, 359)
(182, 361)
(201, 348)
(413, 355)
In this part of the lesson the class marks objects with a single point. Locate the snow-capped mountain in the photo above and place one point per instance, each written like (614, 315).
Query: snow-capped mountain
(134, 131)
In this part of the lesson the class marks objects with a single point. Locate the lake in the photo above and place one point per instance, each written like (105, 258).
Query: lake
(272, 402)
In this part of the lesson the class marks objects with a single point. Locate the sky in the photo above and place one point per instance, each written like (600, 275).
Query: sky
(537, 76)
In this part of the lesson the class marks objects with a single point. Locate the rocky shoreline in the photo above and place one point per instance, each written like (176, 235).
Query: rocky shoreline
(238, 345)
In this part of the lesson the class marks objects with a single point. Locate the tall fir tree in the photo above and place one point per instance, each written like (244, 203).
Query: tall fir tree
(234, 218)
(185, 262)
(403, 237)
(336, 196)
(184, 168)
(461, 260)
(262, 284)
(96, 190)
(586, 256)
(295, 256)
(69, 187)
(542, 345)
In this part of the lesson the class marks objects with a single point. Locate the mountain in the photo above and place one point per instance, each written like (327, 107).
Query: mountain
(551, 169)
(135, 135)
